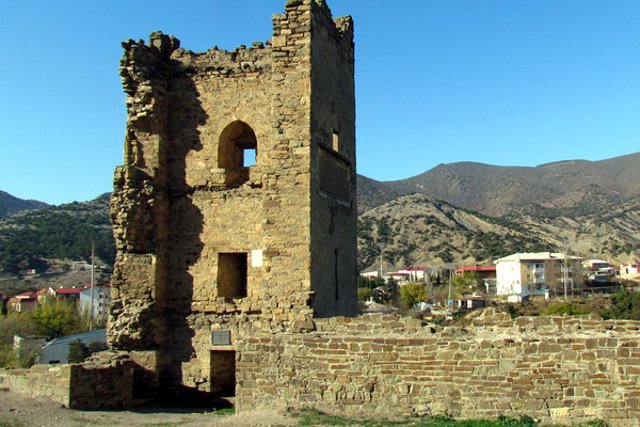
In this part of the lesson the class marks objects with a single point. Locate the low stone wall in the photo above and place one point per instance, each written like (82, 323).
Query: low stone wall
(554, 369)
(74, 386)
(49, 381)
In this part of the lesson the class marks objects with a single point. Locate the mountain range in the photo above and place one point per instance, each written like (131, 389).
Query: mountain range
(11, 205)
(34, 238)
(568, 187)
(454, 213)
(587, 208)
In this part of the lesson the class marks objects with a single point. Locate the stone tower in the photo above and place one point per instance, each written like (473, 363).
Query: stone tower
(234, 212)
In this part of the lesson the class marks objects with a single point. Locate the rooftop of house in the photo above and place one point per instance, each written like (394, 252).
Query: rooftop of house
(536, 256)
(415, 268)
(25, 296)
(476, 268)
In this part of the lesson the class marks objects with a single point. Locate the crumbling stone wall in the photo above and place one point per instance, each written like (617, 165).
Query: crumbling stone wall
(89, 386)
(554, 369)
(228, 275)
(207, 242)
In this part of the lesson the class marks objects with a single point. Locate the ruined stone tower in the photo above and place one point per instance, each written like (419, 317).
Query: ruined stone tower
(214, 246)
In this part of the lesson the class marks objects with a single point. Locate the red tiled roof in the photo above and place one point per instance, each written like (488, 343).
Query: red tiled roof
(476, 268)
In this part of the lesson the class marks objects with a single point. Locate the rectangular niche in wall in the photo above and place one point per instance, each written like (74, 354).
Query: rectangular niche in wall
(232, 275)
(223, 373)
(335, 175)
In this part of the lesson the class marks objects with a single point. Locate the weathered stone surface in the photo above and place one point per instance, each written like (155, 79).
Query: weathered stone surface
(207, 242)
(467, 375)
(89, 386)
(236, 278)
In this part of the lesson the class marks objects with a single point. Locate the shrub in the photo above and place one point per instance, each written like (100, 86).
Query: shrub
(78, 351)
(412, 293)
(624, 305)
(565, 308)
(364, 294)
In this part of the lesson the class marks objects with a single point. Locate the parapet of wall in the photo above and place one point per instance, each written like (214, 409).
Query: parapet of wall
(49, 381)
(74, 386)
(555, 369)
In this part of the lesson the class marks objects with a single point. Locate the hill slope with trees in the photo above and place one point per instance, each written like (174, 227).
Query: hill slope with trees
(31, 239)
(11, 205)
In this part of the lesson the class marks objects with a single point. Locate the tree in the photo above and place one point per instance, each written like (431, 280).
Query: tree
(412, 293)
(624, 305)
(78, 352)
(14, 324)
(467, 281)
(11, 325)
(55, 318)
(364, 294)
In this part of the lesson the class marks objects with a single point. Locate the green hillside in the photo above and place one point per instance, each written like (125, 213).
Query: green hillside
(60, 232)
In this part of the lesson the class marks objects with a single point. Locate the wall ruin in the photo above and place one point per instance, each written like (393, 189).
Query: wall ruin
(239, 279)
(556, 369)
(88, 386)
(208, 242)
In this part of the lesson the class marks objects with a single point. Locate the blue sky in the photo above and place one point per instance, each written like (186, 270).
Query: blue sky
(518, 82)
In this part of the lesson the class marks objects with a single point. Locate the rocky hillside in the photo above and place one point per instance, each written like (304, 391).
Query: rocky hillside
(372, 193)
(574, 187)
(10, 205)
(420, 230)
(58, 232)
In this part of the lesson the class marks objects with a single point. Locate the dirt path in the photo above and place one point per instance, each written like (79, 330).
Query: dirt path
(43, 413)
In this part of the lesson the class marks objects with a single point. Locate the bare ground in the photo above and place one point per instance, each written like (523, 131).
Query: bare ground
(28, 412)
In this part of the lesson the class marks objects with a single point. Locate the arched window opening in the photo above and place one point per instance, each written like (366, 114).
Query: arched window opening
(237, 151)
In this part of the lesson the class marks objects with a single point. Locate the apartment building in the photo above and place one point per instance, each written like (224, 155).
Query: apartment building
(528, 274)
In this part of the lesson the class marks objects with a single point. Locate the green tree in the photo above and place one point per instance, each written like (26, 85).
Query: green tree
(16, 324)
(96, 346)
(624, 305)
(467, 281)
(412, 293)
(78, 352)
(11, 325)
(55, 318)
(8, 357)
(364, 294)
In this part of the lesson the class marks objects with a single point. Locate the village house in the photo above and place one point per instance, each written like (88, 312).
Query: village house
(95, 298)
(57, 350)
(43, 293)
(531, 274)
(373, 274)
(417, 274)
(22, 303)
(483, 271)
(397, 277)
(408, 275)
(486, 274)
(630, 271)
(69, 294)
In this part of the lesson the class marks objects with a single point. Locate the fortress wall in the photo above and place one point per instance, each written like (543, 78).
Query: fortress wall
(74, 386)
(553, 369)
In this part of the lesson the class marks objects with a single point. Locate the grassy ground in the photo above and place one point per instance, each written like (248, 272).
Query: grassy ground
(314, 418)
